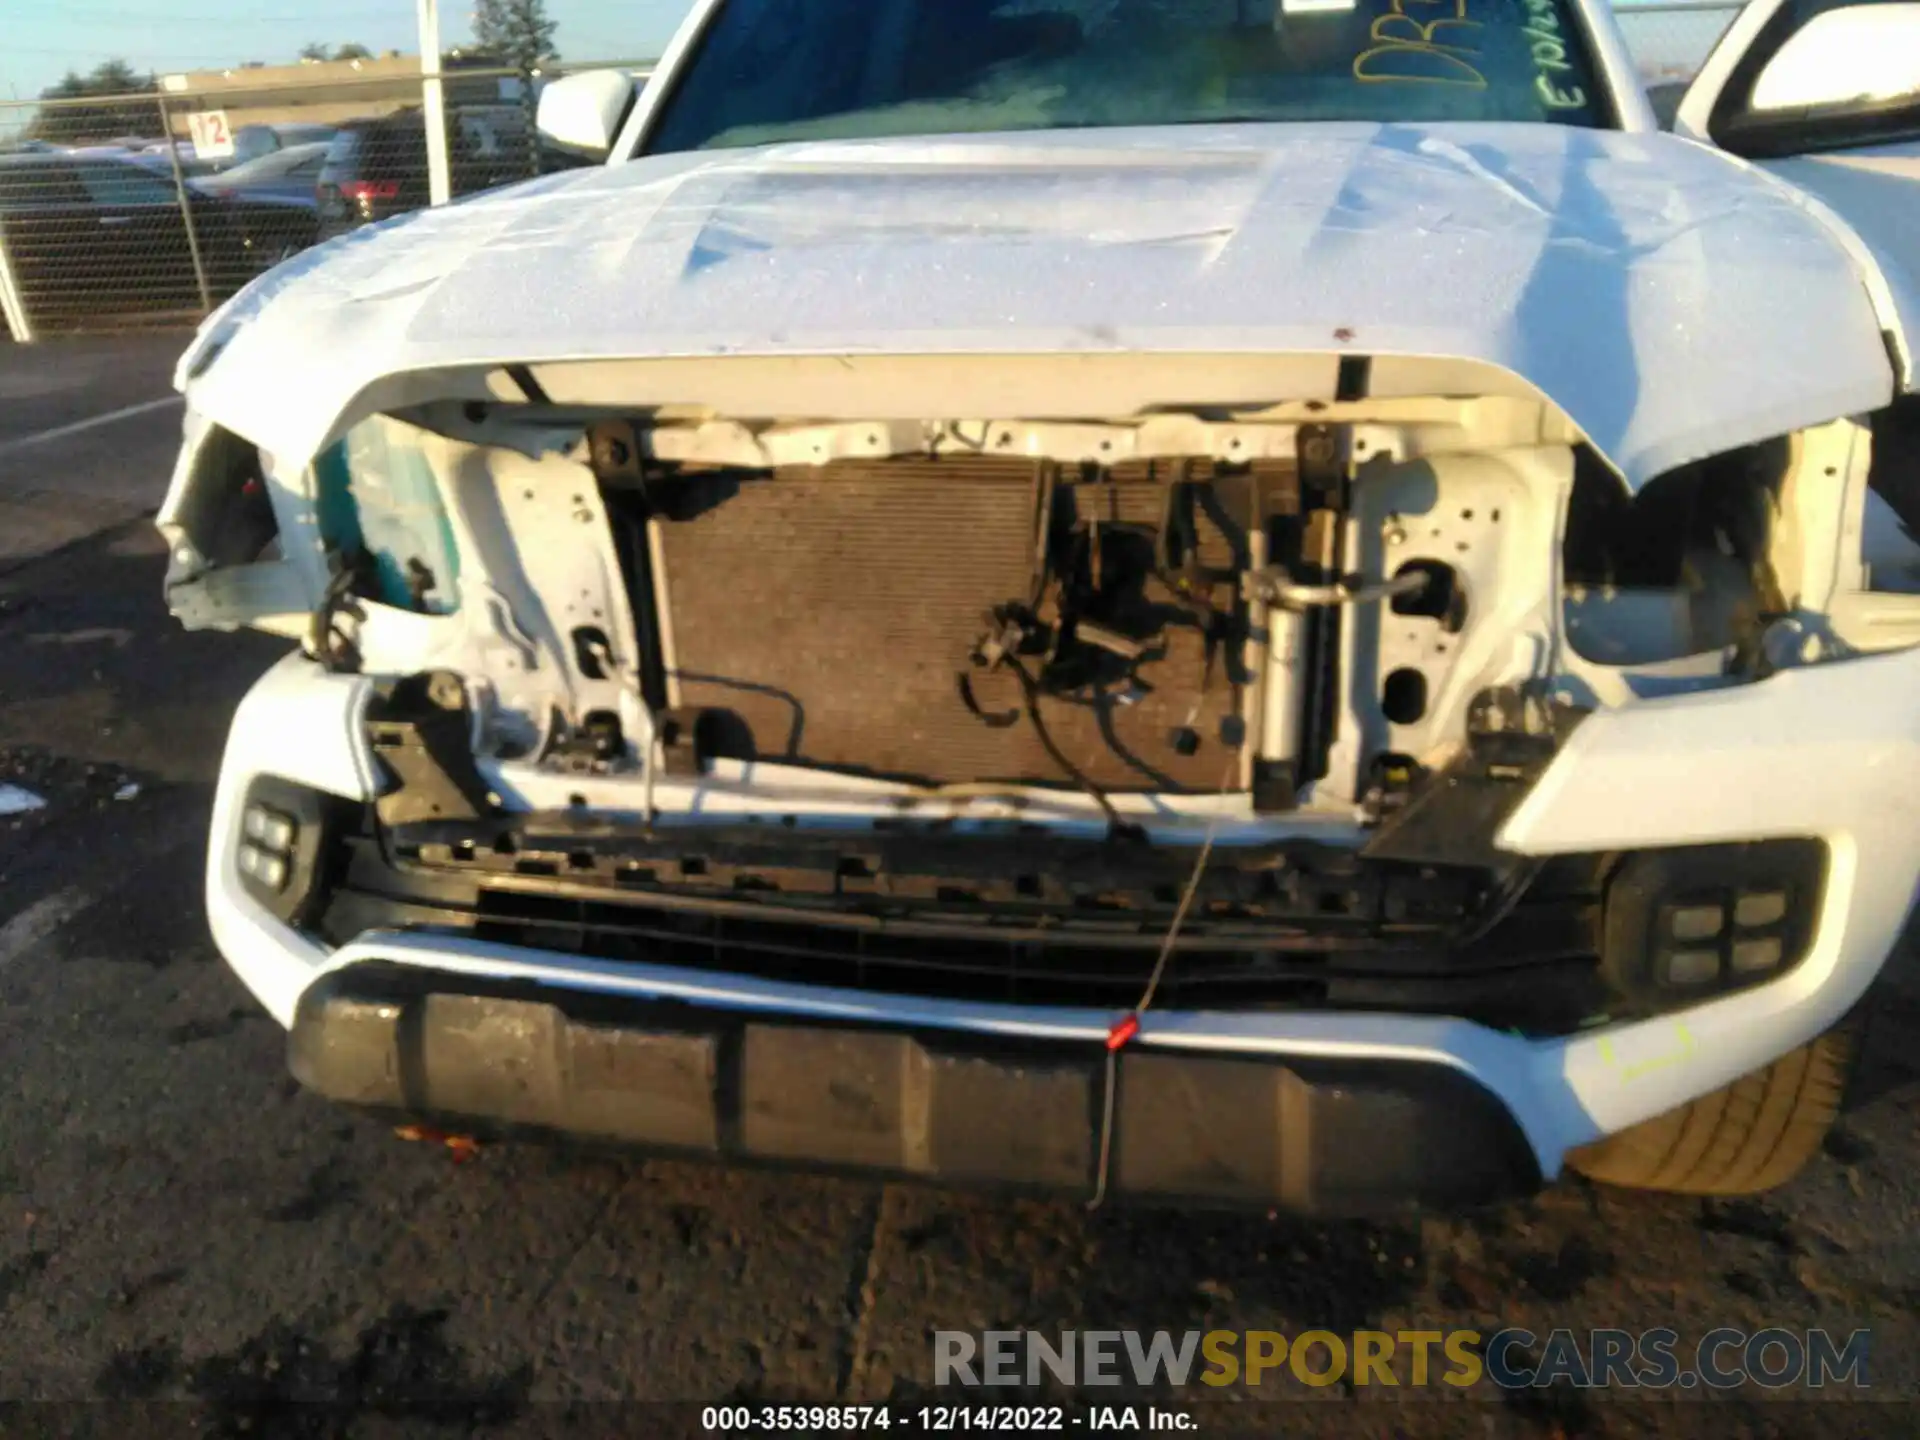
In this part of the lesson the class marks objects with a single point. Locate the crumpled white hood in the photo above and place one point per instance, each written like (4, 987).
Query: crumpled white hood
(1672, 301)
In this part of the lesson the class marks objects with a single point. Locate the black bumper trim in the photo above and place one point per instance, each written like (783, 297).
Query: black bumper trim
(1314, 1137)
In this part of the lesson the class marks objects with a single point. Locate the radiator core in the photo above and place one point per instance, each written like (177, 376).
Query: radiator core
(829, 612)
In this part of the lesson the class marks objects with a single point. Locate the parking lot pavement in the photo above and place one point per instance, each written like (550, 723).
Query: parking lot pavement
(86, 430)
(180, 1224)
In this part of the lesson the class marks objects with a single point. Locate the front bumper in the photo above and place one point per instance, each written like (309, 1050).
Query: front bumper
(1831, 753)
(1316, 1136)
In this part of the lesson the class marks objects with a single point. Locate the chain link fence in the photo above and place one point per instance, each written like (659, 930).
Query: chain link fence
(100, 218)
(151, 209)
(1669, 39)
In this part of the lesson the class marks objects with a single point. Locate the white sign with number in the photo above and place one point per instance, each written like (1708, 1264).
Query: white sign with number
(212, 136)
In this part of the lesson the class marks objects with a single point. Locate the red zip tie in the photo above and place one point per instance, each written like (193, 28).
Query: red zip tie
(1123, 1030)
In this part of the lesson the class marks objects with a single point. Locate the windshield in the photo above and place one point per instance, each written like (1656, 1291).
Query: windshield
(772, 70)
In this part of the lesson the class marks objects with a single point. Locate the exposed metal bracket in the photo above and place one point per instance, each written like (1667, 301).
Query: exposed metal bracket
(240, 595)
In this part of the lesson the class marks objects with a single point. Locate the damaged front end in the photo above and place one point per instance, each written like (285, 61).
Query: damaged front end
(951, 708)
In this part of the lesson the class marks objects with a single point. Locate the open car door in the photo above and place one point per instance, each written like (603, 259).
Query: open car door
(1825, 94)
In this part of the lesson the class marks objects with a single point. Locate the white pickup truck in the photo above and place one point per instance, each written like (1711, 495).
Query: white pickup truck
(1268, 601)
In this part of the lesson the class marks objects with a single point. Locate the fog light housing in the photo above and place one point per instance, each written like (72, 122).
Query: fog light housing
(283, 836)
(270, 867)
(271, 830)
(1685, 924)
(1689, 969)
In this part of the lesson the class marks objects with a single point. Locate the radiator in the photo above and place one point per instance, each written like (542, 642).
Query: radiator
(829, 611)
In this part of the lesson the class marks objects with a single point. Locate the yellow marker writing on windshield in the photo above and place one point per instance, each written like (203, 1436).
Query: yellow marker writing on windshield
(1412, 52)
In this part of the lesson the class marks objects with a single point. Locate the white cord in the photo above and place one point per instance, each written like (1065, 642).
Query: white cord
(1117, 1038)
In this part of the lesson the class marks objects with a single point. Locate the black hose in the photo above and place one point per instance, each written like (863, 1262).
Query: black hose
(1117, 828)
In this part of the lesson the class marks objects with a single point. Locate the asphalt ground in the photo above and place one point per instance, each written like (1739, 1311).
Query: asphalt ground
(189, 1242)
(87, 427)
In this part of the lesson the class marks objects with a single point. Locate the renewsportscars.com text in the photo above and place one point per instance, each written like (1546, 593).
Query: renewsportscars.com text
(1511, 1358)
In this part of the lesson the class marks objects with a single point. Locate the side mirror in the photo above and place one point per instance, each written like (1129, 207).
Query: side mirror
(583, 113)
(1858, 55)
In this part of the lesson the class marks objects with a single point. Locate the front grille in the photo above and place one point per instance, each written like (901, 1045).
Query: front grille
(983, 966)
(1528, 962)
(975, 966)
(1259, 896)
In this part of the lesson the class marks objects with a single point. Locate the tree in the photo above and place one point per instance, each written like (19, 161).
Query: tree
(521, 35)
(82, 124)
(317, 51)
(518, 31)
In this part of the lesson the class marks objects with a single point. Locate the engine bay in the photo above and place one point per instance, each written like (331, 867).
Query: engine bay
(1314, 607)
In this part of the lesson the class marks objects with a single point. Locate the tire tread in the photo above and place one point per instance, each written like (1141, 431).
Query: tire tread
(1750, 1136)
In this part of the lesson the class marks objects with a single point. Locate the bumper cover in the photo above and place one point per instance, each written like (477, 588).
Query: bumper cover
(1831, 752)
(1316, 1136)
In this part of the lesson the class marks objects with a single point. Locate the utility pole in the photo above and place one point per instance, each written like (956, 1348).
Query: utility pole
(433, 91)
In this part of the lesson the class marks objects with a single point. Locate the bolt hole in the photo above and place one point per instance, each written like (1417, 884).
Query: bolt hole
(1442, 598)
(1494, 517)
(1466, 514)
(1403, 699)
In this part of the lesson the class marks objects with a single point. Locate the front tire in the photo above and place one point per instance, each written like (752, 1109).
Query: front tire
(1753, 1135)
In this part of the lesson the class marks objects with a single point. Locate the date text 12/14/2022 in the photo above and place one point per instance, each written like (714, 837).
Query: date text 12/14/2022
(944, 1419)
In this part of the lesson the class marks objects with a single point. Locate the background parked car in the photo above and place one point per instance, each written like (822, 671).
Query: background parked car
(289, 174)
(377, 168)
(191, 162)
(98, 234)
(251, 142)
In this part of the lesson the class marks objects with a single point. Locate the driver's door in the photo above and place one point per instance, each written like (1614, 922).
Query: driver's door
(1825, 94)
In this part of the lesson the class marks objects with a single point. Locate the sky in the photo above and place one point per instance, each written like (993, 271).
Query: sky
(40, 40)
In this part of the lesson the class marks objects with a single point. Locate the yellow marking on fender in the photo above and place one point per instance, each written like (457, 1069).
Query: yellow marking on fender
(1637, 1068)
